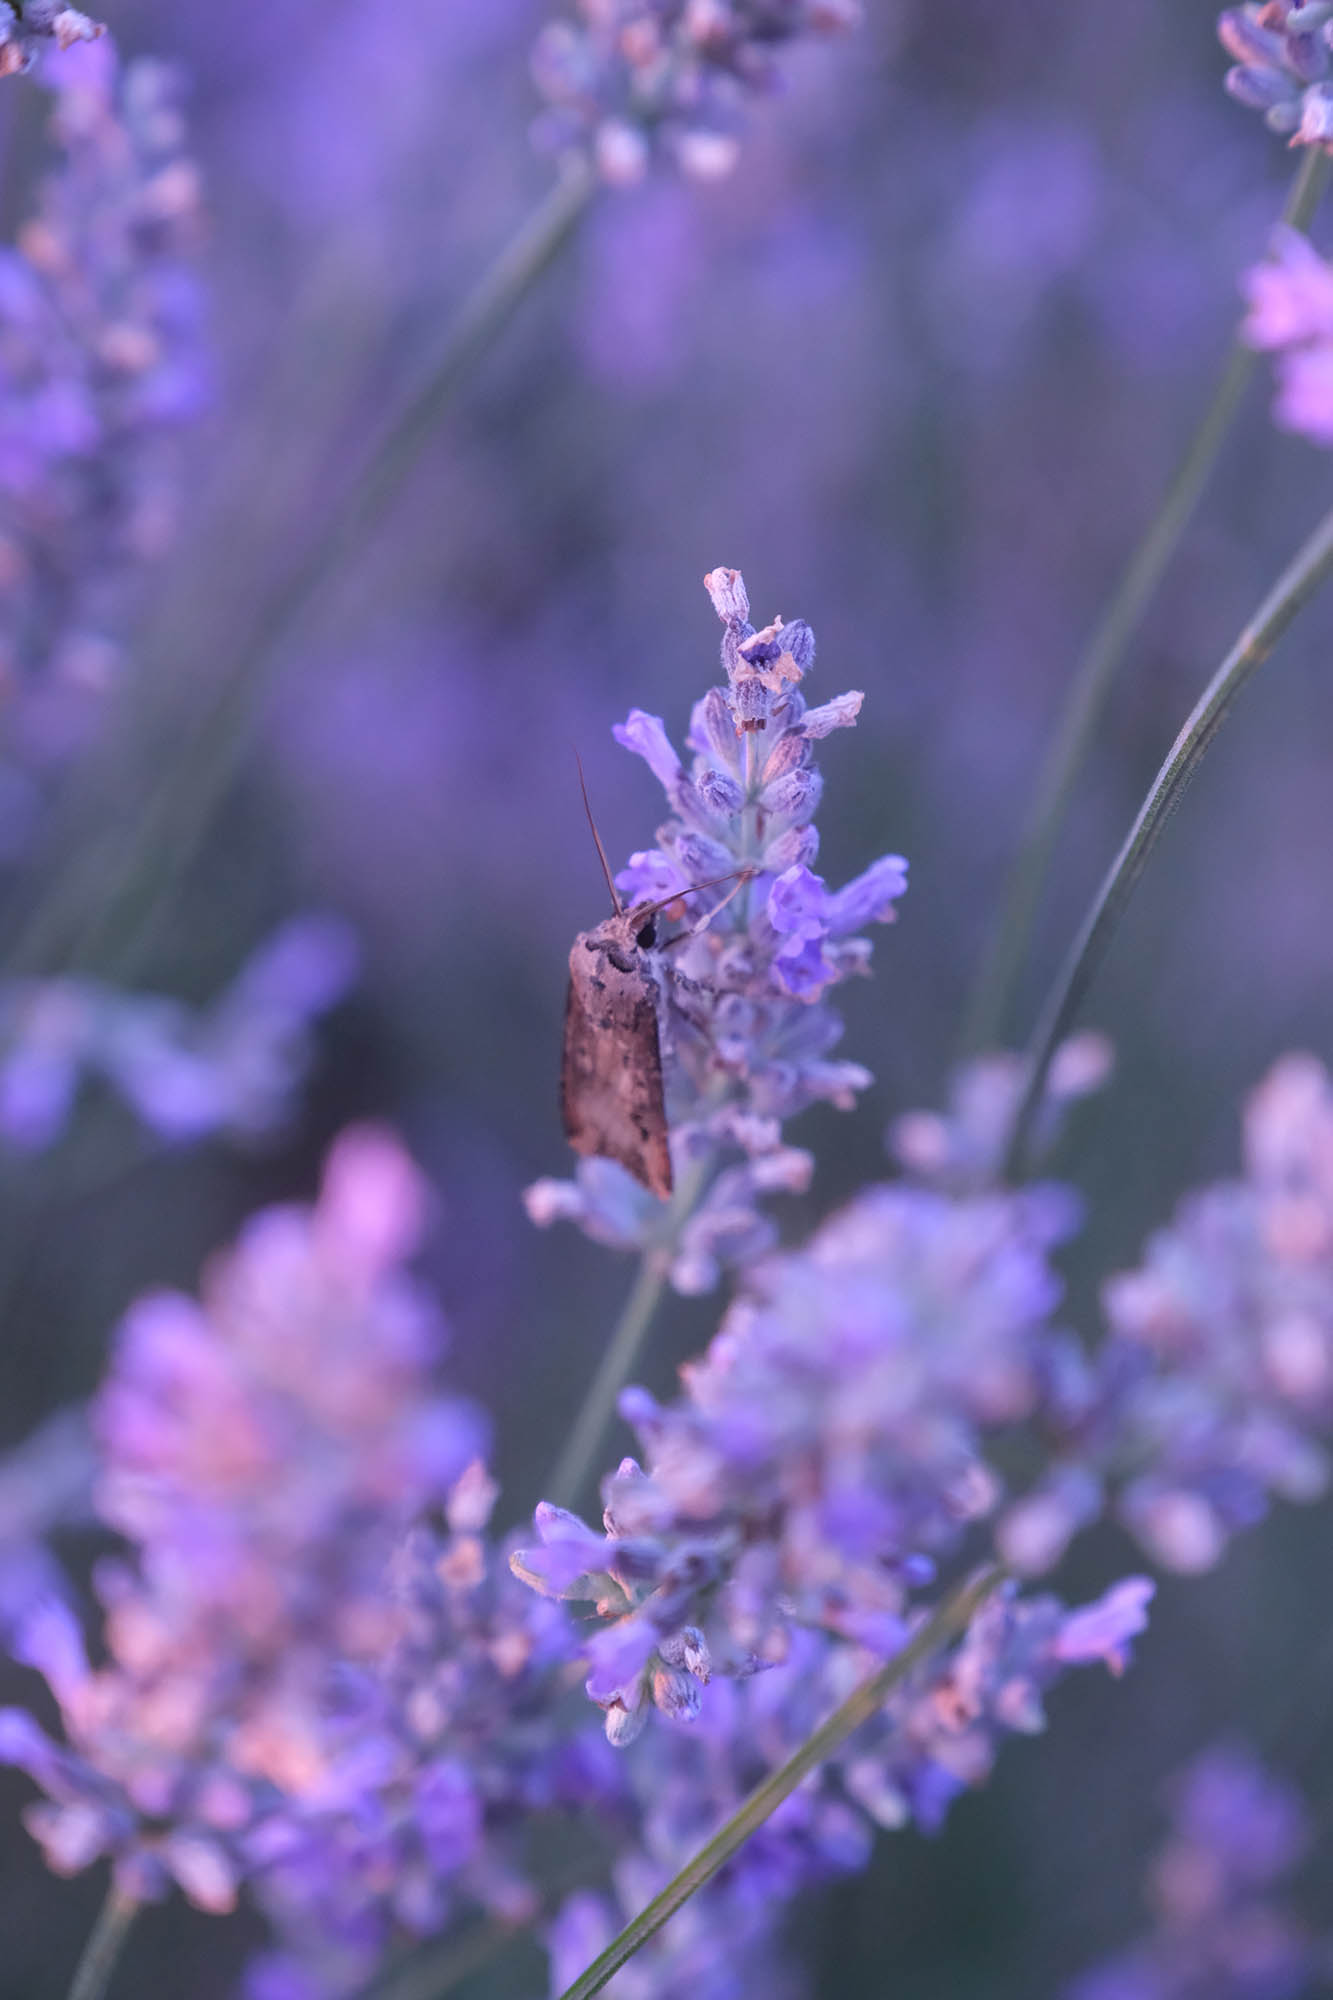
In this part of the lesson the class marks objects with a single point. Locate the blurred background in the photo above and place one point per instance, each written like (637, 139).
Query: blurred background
(921, 368)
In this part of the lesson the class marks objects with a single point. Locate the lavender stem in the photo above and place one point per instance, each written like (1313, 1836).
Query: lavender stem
(993, 991)
(93, 1973)
(579, 1453)
(127, 895)
(952, 1617)
(1293, 589)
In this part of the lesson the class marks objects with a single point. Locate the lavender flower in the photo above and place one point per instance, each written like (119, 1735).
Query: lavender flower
(1284, 65)
(26, 26)
(1291, 314)
(446, 1747)
(1224, 1926)
(45, 1482)
(233, 1067)
(937, 1735)
(829, 1449)
(263, 1452)
(99, 366)
(1216, 1388)
(962, 1149)
(747, 1032)
(631, 78)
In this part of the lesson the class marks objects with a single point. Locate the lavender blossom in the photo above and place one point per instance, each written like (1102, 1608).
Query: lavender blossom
(830, 1448)
(446, 1747)
(28, 26)
(1215, 1390)
(232, 1068)
(1284, 65)
(936, 1736)
(962, 1149)
(747, 1032)
(45, 1483)
(99, 367)
(1291, 314)
(666, 77)
(1219, 1885)
(263, 1452)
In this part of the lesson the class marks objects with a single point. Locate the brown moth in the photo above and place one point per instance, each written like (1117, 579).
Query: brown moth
(612, 1099)
(611, 1094)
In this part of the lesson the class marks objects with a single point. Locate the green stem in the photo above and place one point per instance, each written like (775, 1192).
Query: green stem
(1294, 588)
(952, 1617)
(436, 1971)
(579, 1452)
(93, 1973)
(149, 865)
(993, 993)
(578, 1457)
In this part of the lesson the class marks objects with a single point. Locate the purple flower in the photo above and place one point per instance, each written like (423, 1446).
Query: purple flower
(27, 26)
(1218, 1884)
(829, 1448)
(1291, 314)
(233, 1067)
(263, 1452)
(668, 80)
(937, 1735)
(746, 1034)
(446, 1745)
(100, 366)
(1284, 65)
(1215, 1390)
(962, 1149)
(1104, 1631)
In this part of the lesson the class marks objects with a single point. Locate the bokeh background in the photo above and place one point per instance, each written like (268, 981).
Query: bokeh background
(921, 368)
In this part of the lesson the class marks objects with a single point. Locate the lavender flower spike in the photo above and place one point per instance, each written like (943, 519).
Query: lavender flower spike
(1283, 53)
(831, 1447)
(263, 1452)
(667, 79)
(1291, 314)
(100, 368)
(747, 1033)
(1219, 1885)
(27, 25)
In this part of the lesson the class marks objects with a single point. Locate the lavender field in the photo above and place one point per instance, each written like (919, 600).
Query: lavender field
(801, 1471)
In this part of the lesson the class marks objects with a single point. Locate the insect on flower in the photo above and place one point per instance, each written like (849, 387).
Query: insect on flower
(612, 1098)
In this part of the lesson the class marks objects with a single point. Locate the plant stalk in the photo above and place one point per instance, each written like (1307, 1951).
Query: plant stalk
(993, 993)
(1294, 588)
(92, 1975)
(578, 1456)
(951, 1618)
(101, 902)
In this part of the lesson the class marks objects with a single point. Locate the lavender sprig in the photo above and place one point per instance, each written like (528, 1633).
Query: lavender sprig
(28, 27)
(831, 1448)
(233, 1067)
(747, 1030)
(666, 78)
(1291, 316)
(1284, 65)
(100, 349)
(263, 1453)
(1219, 1886)
(1088, 1635)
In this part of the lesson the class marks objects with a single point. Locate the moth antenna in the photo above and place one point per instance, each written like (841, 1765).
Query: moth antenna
(616, 903)
(740, 876)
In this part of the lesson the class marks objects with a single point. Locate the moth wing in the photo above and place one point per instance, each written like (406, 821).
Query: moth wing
(611, 1077)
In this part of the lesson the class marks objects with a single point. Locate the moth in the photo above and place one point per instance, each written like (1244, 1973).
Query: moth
(612, 1099)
